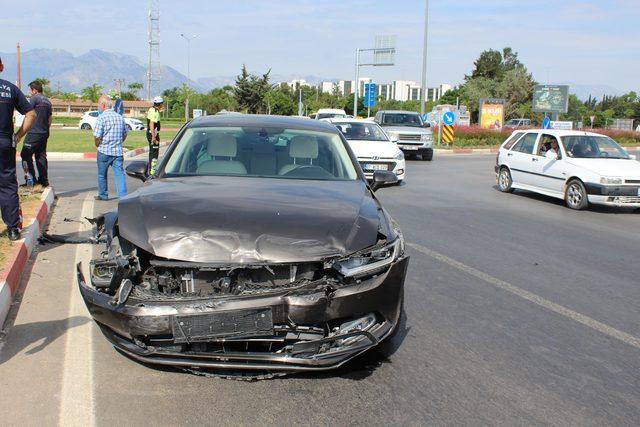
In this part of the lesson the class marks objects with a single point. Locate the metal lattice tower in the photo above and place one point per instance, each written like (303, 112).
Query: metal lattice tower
(154, 69)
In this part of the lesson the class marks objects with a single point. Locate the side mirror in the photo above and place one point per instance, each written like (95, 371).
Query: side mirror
(426, 125)
(393, 138)
(137, 169)
(381, 178)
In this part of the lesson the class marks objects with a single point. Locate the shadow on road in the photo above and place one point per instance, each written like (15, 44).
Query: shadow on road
(555, 201)
(44, 333)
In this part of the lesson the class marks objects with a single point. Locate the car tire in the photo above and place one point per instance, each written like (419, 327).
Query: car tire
(427, 155)
(85, 126)
(576, 195)
(505, 183)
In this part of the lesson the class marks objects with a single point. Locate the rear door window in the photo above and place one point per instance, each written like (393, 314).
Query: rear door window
(526, 144)
(514, 138)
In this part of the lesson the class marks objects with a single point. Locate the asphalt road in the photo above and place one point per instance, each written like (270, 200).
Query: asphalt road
(519, 311)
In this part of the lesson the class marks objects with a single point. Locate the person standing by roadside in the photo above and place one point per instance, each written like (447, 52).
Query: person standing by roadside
(109, 134)
(35, 143)
(153, 132)
(11, 98)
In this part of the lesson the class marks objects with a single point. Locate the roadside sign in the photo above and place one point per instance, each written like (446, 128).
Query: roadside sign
(425, 117)
(546, 123)
(370, 95)
(561, 125)
(448, 133)
(448, 118)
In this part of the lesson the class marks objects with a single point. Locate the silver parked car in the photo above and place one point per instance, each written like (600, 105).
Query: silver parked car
(407, 129)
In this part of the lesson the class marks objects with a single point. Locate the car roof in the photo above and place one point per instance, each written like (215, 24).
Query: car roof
(558, 132)
(331, 110)
(349, 120)
(240, 120)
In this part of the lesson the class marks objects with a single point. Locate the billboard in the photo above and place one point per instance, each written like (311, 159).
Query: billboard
(551, 99)
(491, 113)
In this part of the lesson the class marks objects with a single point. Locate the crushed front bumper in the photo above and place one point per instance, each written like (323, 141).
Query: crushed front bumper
(145, 330)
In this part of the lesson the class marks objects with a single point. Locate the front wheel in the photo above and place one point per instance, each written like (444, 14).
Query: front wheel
(504, 181)
(576, 195)
(85, 126)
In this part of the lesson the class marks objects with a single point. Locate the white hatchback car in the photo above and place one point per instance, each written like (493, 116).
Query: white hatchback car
(372, 147)
(88, 121)
(579, 167)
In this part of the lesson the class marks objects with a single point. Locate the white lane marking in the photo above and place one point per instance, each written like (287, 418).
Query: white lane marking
(538, 300)
(77, 395)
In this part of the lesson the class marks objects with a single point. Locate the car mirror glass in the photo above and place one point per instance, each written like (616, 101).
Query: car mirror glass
(137, 169)
(381, 178)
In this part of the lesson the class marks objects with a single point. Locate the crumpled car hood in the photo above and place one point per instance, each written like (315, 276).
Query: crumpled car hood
(249, 220)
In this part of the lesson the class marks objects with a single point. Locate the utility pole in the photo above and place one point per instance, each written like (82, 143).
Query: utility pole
(423, 97)
(383, 55)
(154, 67)
(19, 70)
(186, 102)
(119, 84)
(300, 105)
(356, 89)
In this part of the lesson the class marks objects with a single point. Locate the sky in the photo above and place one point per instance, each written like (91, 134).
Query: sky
(584, 42)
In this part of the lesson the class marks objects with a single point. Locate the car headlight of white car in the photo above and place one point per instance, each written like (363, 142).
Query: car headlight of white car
(370, 261)
(426, 137)
(610, 180)
(399, 156)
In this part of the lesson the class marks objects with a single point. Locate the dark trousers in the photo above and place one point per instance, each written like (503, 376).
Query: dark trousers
(36, 145)
(154, 151)
(9, 201)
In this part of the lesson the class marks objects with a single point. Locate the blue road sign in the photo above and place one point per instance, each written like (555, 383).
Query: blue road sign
(448, 118)
(546, 123)
(425, 117)
(370, 94)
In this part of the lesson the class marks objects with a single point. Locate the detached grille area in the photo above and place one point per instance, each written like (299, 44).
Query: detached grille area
(160, 282)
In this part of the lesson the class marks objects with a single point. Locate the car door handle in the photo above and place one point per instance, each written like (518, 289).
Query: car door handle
(534, 160)
(509, 154)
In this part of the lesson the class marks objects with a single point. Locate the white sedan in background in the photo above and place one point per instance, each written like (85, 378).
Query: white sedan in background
(579, 167)
(88, 121)
(372, 147)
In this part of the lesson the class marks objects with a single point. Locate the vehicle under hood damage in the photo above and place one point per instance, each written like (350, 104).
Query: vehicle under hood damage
(165, 293)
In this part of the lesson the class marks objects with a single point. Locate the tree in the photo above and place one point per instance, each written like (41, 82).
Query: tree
(134, 88)
(250, 91)
(45, 85)
(92, 93)
(488, 65)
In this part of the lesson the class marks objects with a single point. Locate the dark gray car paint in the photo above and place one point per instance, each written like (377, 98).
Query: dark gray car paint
(244, 220)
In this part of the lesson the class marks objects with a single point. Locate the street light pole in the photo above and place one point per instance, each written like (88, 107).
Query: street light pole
(186, 102)
(423, 98)
(357, 84)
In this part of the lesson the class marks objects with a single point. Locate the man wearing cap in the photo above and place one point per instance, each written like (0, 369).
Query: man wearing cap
(109, 134)
(11, 98)
(153, 132)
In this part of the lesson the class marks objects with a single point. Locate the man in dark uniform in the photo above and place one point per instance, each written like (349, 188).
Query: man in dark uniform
(35, 143)
(11, 98)
(153, 132)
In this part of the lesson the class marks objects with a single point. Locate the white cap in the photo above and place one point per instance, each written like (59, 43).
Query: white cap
(158, 100)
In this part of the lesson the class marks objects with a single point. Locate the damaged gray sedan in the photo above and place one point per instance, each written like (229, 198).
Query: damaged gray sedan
(257, 245)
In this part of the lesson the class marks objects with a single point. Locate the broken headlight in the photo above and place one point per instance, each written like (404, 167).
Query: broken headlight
(369, 262)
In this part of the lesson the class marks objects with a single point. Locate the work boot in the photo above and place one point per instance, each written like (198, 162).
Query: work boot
(14, 234)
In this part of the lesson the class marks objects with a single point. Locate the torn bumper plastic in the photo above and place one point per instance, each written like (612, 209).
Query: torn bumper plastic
(276, 332)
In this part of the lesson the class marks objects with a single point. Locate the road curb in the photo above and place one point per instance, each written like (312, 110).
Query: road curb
(14, 267)
(455, 151)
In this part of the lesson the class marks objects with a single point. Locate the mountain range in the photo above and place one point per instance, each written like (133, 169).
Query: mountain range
(72, 73)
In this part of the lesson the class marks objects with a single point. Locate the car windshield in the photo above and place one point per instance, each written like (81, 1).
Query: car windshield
(589, 146)
(260, 151)
(361, 131)
(402, 119)
(331, 116)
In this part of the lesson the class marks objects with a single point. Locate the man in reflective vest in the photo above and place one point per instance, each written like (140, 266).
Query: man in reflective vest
(153, 132)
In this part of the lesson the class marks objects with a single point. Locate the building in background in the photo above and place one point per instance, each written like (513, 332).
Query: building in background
(298, 83)
(398, 90)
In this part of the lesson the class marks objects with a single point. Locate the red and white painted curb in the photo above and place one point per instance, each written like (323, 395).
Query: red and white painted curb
(22, 249)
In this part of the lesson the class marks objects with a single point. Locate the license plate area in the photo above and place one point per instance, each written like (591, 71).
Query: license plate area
(224, 324)
(409, 147)
(375, 167)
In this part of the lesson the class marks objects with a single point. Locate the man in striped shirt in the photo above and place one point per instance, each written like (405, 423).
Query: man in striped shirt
(109, 134)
